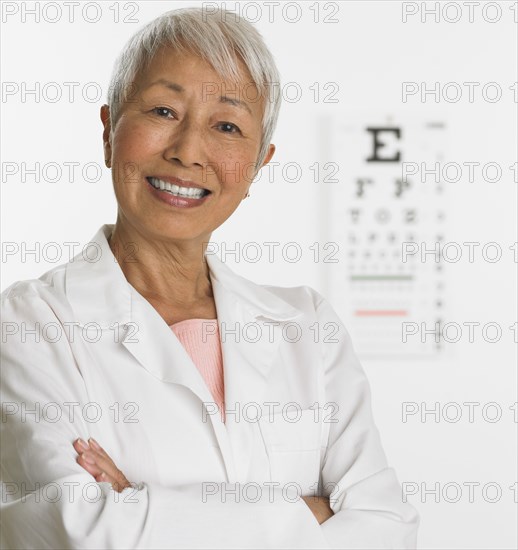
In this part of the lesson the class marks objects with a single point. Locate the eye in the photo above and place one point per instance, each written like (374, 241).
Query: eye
(163, 112)
(229, 128)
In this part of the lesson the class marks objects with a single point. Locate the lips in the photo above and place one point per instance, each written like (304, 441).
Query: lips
(173, 180)
(178, 187)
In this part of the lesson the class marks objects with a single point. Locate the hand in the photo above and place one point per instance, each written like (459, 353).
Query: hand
(96, 461)
(320, 507)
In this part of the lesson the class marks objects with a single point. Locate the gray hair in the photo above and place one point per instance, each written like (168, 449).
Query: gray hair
(217, 36)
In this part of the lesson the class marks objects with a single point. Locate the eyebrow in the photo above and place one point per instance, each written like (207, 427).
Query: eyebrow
(223, 99)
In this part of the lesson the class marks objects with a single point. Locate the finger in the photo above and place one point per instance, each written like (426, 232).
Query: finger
(93, 444)
(97, 462)
(80, 446)
(118, 484)
(92, 457)
(100, 461)
(106, 465)
(88, 464)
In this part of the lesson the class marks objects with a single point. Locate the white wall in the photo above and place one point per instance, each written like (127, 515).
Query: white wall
(368, 53)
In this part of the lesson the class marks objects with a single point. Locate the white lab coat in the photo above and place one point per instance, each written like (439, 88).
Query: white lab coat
(101, 362)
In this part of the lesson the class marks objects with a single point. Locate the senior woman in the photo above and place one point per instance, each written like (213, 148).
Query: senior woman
(137, 412)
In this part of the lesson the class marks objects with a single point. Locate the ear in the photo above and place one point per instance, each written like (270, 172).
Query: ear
(267, 159)
(105, 117)
(269, 155)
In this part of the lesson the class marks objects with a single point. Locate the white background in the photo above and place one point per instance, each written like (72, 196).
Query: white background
(369, 52)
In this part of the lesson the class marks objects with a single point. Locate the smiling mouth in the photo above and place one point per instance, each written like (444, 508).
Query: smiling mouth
(178, 190)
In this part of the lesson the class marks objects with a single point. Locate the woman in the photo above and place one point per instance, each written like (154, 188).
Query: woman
(231, 414)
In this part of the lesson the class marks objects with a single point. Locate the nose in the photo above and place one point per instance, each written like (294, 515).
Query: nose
(186, 145)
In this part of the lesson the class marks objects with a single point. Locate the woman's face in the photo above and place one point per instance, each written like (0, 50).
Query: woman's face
(185, 128)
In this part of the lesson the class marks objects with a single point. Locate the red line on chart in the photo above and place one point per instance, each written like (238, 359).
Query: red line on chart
(381, 313)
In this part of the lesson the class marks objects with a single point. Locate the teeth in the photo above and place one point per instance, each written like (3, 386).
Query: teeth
(191, 192)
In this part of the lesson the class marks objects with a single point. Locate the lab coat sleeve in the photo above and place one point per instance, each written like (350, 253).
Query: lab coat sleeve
(365, 494)
(49, 501)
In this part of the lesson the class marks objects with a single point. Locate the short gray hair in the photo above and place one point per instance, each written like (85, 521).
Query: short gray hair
(217, 36)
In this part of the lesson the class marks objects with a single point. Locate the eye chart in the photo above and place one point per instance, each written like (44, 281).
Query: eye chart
(385, 208)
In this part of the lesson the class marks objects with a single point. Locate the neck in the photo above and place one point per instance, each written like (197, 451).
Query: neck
(165, 271)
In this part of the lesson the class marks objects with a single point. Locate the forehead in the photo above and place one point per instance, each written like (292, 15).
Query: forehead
(186, 70)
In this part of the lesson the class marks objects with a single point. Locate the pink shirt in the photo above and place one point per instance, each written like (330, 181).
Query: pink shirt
(200, 338)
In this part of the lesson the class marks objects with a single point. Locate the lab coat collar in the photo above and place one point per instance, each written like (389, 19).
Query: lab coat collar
(99, 292)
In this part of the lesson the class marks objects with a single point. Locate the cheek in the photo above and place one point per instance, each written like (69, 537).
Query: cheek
(134, 142)
(235, 167)
(129, 153)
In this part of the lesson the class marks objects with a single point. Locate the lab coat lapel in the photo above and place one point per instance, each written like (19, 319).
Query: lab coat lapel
(152, 342)
(99, 293)
(160, 352)
(243, 308)
(246, 366)
(242, 305)
(247, 363)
